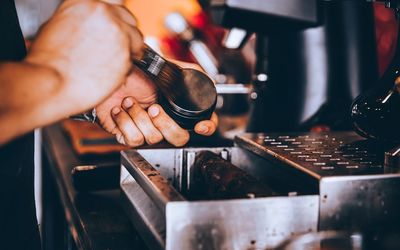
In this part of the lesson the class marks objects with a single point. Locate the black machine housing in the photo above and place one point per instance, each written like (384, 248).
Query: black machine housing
(318, 56)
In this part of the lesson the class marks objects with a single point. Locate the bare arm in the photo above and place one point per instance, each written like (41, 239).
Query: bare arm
(29, 98)
(71, 66)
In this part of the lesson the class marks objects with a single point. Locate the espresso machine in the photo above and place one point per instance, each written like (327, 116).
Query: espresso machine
(314, 58)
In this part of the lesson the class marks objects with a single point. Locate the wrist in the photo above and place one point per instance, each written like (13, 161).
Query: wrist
(58, 90)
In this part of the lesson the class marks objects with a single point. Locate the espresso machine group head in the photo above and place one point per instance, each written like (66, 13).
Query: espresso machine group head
(313, 58)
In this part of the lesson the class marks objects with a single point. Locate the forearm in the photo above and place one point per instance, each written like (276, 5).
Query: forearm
(30, 97)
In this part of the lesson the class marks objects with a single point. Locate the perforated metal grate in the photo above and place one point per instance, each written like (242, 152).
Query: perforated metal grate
(323, 154)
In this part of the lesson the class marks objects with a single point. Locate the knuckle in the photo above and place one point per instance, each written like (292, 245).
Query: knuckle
(163, 121)
(156, 138)
(114, 130)
(134, 110)
(135, 140)
(102, 12)
(97, 12)
(100, 7)
(92, 9)
(135, 21)
(142, 124)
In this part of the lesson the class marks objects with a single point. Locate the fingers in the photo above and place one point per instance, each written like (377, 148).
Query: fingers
(119, 2)
(112, 12)
(142, 120)
(214, 119)
(125, 15)
(136, 126)
(120, 138)
(129, 24)
(171, 131)
(136, 42)
(130, 135)
(120, 15)
(144, 87)
(207, 127)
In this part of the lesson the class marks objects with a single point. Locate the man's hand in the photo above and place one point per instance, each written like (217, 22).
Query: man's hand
(90, 45)
(132, 115)
(80, 56)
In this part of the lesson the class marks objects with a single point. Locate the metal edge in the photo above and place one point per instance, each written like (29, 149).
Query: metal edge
(155, 185)
(247, 144)
(151, 238)
(358, 177)
(77, 229)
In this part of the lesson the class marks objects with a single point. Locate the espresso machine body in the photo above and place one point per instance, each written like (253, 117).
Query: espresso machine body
(315, 56)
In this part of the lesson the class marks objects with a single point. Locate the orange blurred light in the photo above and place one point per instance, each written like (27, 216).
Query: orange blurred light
(151, 13)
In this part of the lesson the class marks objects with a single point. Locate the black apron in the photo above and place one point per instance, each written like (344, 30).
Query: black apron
(18, 225)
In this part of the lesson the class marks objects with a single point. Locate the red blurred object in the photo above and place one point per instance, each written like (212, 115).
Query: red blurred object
(320, 128)
(386, 35)
(210, 34)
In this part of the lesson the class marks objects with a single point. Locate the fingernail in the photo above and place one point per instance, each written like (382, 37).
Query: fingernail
(203, 129)
(128, 102)
(116, 110)
(153, 111)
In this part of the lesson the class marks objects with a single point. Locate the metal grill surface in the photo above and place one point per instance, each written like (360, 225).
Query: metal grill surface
(340, 153)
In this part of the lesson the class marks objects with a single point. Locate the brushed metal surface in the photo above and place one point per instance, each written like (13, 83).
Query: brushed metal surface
(152, 182)
(260, 223)
(355, 193)
(360, 202)
(142, 211)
